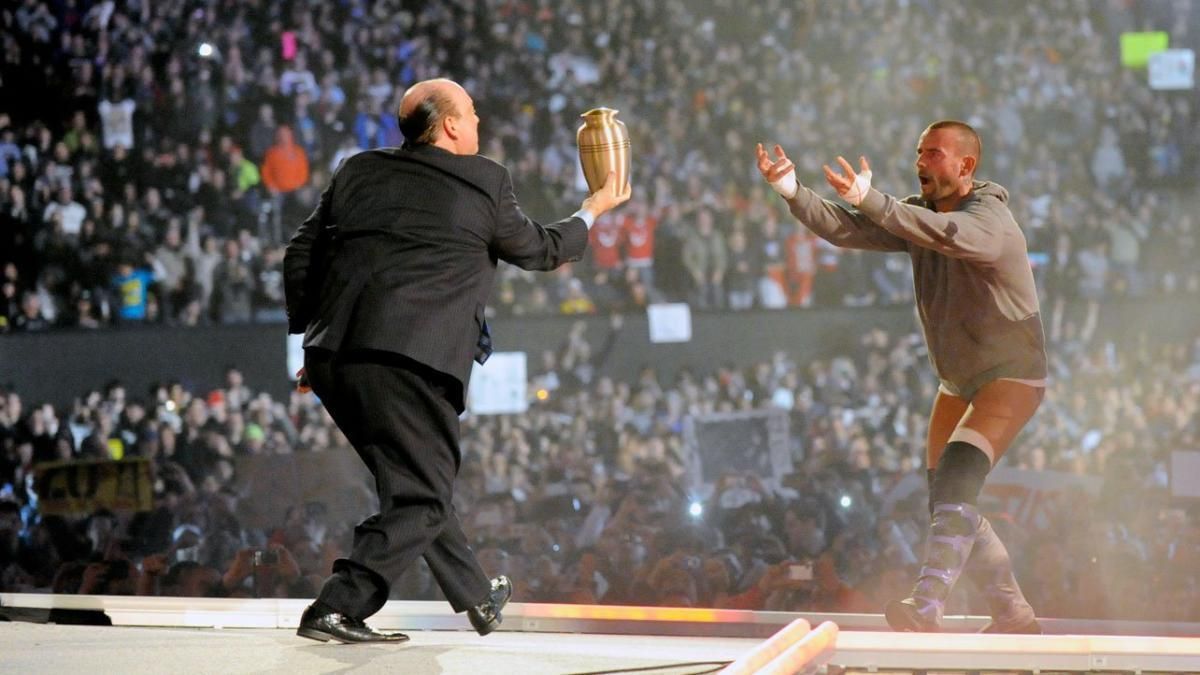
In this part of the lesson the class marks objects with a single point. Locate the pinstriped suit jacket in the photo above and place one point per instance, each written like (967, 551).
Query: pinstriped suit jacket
(401, 252)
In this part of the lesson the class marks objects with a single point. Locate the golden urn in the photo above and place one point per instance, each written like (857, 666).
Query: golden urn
(603, 146)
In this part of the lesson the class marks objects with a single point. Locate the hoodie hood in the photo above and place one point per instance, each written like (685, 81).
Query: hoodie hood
(983, 188)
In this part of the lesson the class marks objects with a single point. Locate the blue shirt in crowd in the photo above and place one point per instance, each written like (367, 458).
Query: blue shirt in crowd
(132, 290)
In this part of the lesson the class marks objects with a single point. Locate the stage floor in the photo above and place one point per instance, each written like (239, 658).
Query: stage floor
(175, 635)
(34, 648)
(50, 648)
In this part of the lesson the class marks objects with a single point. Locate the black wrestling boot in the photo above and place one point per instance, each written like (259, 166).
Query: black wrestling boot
(991, 571)
(485, 616)
(952, 535)
(324, 625)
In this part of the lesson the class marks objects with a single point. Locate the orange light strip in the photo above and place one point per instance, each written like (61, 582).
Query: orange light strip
(630, 613)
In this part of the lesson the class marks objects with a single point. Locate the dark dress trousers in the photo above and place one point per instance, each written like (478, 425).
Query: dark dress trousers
(388, 279)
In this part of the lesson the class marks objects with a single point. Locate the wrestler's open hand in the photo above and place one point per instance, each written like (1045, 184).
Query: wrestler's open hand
(773, 169)
(841, 182)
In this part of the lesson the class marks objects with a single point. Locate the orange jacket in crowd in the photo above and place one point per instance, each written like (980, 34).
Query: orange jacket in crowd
(285, 168)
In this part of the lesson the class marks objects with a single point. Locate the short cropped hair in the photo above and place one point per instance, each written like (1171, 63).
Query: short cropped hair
(971, 141)
(422, 124)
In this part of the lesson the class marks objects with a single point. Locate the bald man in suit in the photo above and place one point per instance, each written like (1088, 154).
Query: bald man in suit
(388, 279)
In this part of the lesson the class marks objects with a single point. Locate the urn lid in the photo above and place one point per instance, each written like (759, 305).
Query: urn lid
(599, 115)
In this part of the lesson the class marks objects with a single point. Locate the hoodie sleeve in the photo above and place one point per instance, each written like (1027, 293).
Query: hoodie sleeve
(976, 233)
(840, 226)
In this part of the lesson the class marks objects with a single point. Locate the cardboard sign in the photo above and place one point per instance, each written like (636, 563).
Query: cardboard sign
(79, 488)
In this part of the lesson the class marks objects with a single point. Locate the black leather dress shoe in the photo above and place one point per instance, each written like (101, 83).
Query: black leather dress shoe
(326, 626)
(485, 617)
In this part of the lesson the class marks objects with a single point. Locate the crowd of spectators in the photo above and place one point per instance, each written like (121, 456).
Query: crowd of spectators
(583, 497)
(155, 156)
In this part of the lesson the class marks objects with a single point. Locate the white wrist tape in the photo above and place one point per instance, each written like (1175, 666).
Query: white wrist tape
(787, 185)
(858, 189)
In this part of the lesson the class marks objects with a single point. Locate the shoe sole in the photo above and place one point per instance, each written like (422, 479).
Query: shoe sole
(313, 634)
(322, 636)
(489, 626)
(900, 619)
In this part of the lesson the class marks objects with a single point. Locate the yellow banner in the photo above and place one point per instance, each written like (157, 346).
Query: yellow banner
(79, 488)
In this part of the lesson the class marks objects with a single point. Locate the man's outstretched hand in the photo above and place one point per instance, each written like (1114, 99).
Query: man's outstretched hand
(302, 384)
(850, 186)
(773, 169)
(609, 196)
(779, 172)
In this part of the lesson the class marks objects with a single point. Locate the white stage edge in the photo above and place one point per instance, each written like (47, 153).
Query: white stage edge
(862, 644)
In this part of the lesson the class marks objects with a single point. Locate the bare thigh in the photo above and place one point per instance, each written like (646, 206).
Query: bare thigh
(990, 421)
(948, 410)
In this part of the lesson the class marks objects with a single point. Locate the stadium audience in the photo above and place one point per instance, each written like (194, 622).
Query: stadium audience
(583, 498)
(147, 136)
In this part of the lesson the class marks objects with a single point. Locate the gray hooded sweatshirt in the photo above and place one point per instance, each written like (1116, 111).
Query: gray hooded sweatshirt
(971, 273)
